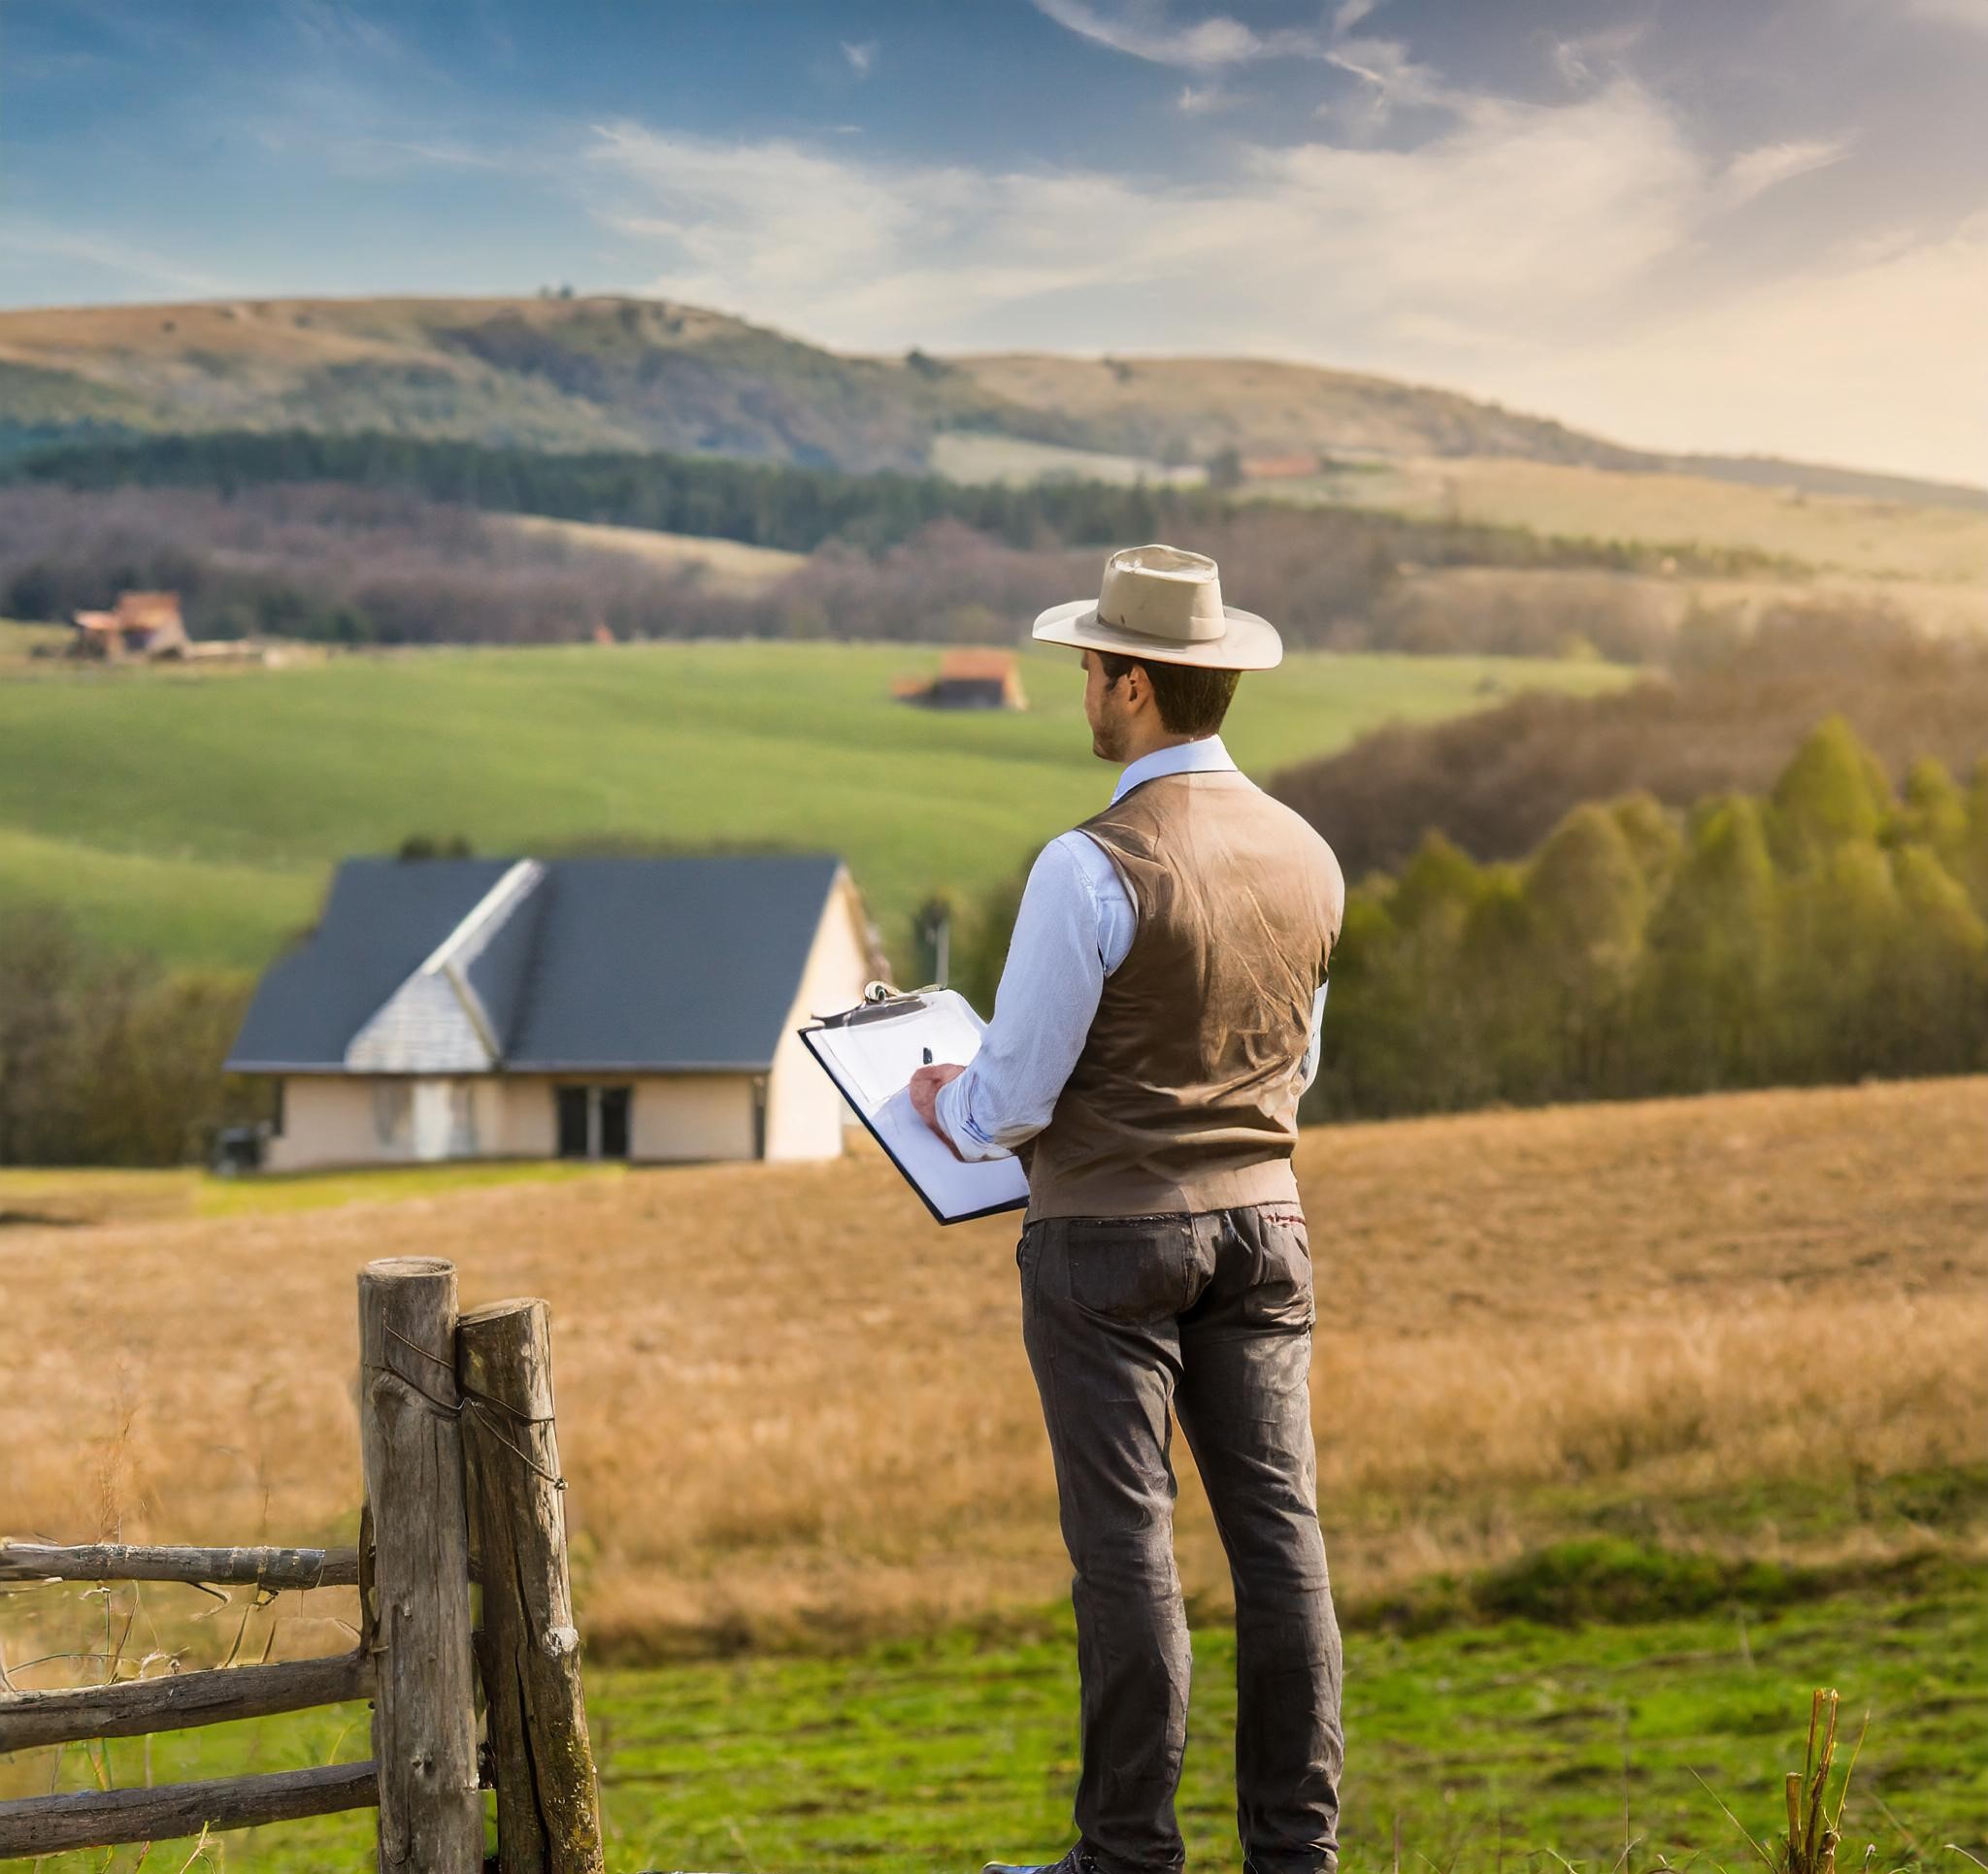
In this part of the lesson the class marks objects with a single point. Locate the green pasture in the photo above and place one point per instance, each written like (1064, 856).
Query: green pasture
(1517, 1746)
(68, 1196)
(196, 814)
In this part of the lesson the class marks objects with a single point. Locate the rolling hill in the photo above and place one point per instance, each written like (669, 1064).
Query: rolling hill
(618, 373)
(196, 814)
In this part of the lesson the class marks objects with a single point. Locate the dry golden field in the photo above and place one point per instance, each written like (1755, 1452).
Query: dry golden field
(730, 566)
(791, 1408)
(1476, 599)
(1837, 533)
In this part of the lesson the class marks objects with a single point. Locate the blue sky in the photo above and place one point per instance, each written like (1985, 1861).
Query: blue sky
(1735, 224)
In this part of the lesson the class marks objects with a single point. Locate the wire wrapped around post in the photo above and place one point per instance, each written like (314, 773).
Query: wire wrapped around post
(549, 1818)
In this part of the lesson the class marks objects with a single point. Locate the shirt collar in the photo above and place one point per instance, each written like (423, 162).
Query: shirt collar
(1201, 756)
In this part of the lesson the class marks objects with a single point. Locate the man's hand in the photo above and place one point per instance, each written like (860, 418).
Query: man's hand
(924, 1091)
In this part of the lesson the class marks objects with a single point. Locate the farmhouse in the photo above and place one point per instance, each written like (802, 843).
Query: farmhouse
(142, 625)
(602, 1008)
(969, 679)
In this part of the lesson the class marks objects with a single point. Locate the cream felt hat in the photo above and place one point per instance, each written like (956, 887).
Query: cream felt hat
(1164, 605)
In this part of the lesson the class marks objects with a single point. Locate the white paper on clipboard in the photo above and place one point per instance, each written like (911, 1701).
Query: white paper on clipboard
(870, 1052)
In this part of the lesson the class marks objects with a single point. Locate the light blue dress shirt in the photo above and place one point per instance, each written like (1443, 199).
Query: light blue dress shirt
(1074, 927)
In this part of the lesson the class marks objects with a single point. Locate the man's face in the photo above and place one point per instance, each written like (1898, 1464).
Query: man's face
(1106, 712)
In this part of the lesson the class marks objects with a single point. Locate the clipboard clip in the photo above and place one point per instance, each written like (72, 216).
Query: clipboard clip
(880, 1002)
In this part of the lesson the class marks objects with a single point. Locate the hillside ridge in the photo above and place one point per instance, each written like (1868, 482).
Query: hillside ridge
(618, 371)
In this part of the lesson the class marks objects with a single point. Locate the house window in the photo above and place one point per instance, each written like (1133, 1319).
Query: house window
(462, 1119)
(393, 1115)
(593, 1122)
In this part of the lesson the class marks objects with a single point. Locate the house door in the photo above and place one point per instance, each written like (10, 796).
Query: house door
(593, 1121)
(613, 1122)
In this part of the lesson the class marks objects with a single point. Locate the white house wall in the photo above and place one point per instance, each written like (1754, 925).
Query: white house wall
(805, 1115)
(691, 1116)
(327, 1120)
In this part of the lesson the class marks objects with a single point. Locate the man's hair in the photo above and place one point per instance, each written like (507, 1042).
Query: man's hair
(1192, 700)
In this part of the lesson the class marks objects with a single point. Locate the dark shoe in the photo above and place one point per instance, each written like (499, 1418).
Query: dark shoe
(1077, 1862)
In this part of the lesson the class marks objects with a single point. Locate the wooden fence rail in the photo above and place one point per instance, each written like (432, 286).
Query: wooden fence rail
(106, 1818)
(270, 1569)
(181, 1700)
(458, 1452)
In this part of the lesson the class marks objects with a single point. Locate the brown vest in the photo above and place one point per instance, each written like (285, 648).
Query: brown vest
(1185, 1095)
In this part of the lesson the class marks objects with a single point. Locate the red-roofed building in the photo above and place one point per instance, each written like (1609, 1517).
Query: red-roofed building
(967, 679)
(142, 625)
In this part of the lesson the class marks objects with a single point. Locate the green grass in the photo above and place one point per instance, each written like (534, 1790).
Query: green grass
(1488, 1747)
(197, 815)
(117, 1195)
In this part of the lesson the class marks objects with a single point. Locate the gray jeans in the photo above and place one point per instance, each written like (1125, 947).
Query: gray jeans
(1129, 1321)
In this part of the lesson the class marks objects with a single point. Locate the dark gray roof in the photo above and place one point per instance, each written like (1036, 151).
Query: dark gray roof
(609, 963)
(381, 920)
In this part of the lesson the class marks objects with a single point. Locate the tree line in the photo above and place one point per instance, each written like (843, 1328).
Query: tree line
(355, 566)
(109, 1059)
(1830, 930)
(778, 504)
(1720, 718)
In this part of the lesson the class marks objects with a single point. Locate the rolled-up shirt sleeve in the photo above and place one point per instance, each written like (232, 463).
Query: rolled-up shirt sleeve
(1308, 1069)
(1042, 1012)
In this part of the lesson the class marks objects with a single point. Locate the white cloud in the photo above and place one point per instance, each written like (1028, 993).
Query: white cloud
(1753, 172)
(1350, 13)
(1143, 29)
(1195, 102)
(1536, 253)
(861, 58)
(1518, 220)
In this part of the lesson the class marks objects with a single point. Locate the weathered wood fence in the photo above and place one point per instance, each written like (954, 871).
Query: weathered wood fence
(461, 1474)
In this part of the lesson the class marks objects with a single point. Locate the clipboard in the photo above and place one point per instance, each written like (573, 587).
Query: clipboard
(870, 1052)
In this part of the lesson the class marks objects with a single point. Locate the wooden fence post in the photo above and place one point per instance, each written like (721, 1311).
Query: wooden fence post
(425, 1726)
(549, 1818)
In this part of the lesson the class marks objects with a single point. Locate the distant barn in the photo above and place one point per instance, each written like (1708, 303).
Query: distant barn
(969, 679)
(142, 626)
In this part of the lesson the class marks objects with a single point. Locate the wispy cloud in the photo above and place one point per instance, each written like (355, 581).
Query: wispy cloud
(1526, 250)
(861, 58)
(1394, 78)
(1313, 249)
(1197, 100)
(1753, 172)
(143, 268)
(1145, 30)
(1583, 59)
(327, 26)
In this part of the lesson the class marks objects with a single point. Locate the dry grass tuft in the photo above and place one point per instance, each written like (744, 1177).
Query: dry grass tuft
(790, 1408)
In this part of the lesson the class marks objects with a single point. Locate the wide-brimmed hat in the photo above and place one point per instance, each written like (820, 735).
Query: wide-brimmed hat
(1162, 605)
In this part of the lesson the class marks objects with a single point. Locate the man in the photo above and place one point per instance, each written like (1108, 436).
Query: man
(1155, 1024)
